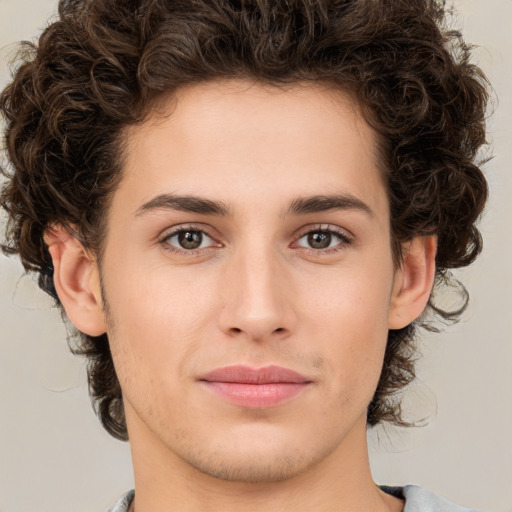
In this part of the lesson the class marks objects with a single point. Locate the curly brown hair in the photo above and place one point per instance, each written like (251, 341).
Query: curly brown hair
(103, 64)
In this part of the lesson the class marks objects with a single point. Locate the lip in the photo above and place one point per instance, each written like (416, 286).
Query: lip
(255, 388)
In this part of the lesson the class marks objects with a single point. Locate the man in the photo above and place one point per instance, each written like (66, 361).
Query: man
(243, 207)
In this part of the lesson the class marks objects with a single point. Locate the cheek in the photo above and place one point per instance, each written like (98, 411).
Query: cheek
(353, 303)
(157, 320)
(349, 317)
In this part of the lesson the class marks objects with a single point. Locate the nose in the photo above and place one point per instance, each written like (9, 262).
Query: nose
(258, 300)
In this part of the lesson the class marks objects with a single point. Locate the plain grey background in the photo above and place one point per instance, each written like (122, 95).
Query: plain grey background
(54, 455)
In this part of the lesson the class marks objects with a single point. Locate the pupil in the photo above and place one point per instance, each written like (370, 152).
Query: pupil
(190, 239)
(319, 240)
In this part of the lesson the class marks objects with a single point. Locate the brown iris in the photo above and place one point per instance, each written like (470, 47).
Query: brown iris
(319, 239)
(190, 239)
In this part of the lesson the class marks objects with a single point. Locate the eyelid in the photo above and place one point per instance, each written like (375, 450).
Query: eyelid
(345, 236)
(174, 230)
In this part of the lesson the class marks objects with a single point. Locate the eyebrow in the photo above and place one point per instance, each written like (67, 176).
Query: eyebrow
(299, 206)
(189, 204)
(324, 203)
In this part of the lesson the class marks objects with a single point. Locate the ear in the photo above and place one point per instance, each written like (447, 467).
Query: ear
(413, 281)
(76, 280)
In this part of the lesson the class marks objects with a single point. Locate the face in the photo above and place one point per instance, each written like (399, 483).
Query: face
(248, 275)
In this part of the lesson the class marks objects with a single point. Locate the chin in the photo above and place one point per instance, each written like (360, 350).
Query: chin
(252, 469)
(258, 456)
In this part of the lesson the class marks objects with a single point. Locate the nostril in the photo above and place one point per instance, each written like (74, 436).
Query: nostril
(237, 330)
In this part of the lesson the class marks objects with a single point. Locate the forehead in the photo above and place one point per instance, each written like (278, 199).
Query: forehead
(239, 141)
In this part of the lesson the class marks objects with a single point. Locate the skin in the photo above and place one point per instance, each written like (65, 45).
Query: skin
(255, 292)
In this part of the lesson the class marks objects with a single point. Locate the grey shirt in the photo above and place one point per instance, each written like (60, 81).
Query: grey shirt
(416, 500)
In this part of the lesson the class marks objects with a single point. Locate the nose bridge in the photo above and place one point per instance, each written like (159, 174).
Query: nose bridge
(257, 301)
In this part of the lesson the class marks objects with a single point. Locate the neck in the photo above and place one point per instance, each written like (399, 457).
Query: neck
(341, 481)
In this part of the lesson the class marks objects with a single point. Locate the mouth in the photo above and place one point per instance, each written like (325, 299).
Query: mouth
(255, 388)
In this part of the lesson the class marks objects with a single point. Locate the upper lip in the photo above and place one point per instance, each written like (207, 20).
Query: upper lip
(246, 375)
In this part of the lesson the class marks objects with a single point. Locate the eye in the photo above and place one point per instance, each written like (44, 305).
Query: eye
(321, 239)
(188, 239)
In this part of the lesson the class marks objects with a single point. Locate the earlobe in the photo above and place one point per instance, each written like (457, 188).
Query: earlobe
(76, 280)
(413, 281)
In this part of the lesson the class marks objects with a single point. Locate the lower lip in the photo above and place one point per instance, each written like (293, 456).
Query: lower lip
(257, 396)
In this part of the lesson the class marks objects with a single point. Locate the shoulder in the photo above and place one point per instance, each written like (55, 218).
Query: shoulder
(418, 499)
(123, 503)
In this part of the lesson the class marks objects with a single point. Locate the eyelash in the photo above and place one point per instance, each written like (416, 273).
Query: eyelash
(164, 241)
(344, 240)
